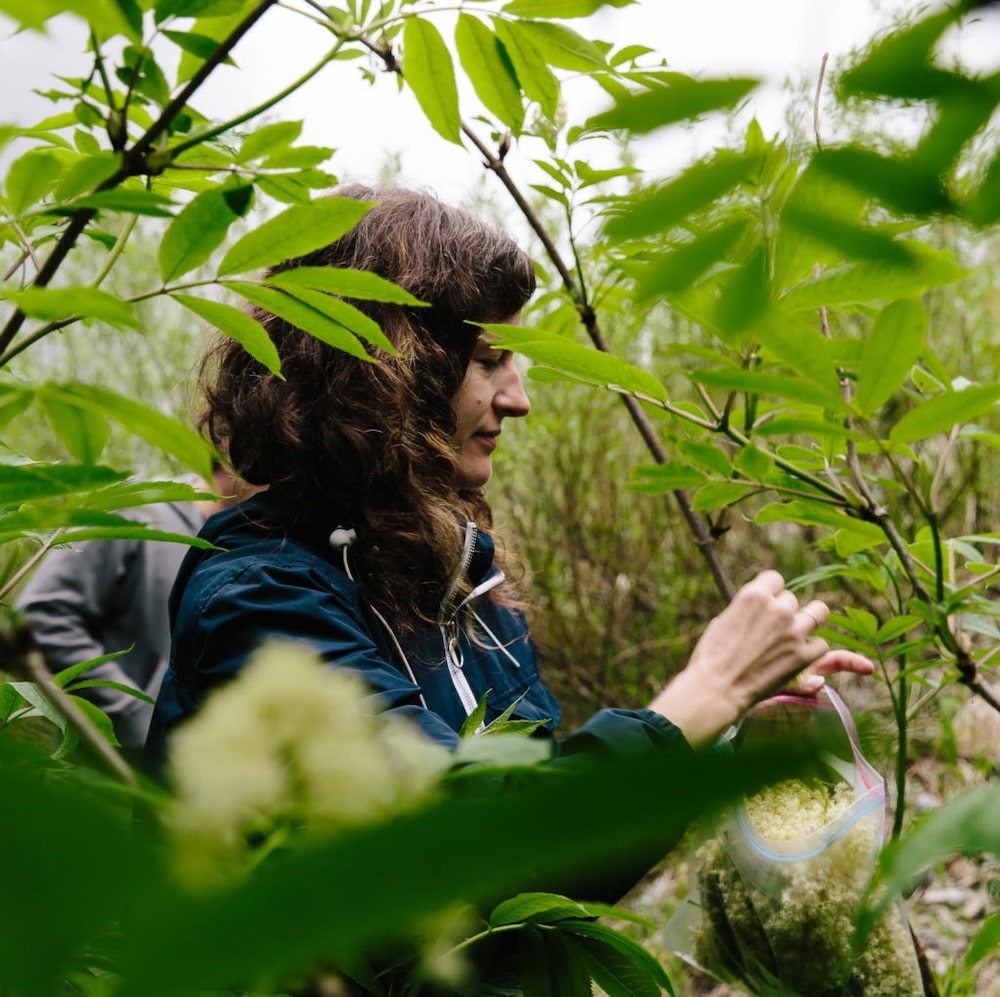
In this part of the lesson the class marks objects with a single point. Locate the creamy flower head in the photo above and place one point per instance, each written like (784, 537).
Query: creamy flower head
(291, 746)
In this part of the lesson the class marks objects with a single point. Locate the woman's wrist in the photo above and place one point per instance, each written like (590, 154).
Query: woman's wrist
(701, 708)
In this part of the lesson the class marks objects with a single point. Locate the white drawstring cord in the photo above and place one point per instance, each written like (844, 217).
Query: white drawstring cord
(341, 539)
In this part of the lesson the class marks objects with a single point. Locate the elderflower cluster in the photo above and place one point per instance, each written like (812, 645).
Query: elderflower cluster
(785, 927)
(290, 747)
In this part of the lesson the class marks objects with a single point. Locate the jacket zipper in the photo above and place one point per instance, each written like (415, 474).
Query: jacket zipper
(449, 625)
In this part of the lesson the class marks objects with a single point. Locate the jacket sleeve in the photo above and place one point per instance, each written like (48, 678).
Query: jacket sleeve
(227, 609)
(66, 600)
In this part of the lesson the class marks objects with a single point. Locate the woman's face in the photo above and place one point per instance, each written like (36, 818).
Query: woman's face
(490, 391)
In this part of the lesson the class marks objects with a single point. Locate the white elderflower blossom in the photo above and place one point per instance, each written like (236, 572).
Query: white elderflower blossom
(289, 747)
(781, 926)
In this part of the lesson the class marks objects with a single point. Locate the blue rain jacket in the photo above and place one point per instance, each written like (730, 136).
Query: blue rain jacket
(276, 574)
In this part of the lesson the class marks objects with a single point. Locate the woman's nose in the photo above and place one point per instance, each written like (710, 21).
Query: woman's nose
(511, 398)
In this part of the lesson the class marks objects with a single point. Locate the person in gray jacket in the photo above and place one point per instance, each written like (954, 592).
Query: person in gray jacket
(103, 596)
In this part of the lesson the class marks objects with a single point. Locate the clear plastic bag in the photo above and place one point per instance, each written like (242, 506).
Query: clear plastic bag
(779, 877)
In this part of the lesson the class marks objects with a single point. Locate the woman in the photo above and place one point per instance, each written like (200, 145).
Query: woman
(373, 540)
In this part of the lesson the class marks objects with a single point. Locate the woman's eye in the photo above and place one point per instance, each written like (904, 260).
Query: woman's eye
(489, 363)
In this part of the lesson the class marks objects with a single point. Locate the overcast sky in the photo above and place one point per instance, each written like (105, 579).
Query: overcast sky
(772, 39)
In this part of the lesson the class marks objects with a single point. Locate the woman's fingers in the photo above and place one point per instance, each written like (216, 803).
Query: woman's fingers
(814, 614)
(840, 660)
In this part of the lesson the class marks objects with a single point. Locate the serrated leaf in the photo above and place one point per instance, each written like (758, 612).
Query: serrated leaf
(238, 325)
(361, 284)
(489, 70)
(681, 99)
(294, 232)
(894, 344)
(57, 304)
(583, 362)
(475, 719)
(942, 412)
(198, 230)
(303, 317)
(200, 46)
(537, 80)
(428, 69)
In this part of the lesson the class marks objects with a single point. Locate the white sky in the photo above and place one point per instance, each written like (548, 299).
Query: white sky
(773, 39)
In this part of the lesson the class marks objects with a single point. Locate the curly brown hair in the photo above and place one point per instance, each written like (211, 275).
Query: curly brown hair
(372, 443)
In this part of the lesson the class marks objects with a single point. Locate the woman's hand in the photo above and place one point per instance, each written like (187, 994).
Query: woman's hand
(755, 647)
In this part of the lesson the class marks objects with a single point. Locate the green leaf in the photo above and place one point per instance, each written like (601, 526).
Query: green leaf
(536, 908)
(777, 385)
(198, 230)
(238, 325)
(428, 69)
(67, 676)
(986, 941)
(136, 202)
(294, 232)
(489, 70)
(583, 362)
(561, 46)
(798, 344)
(679, 268)
(87, 173)
(303, 317)
(707, 456)
(344, 314)
(200, 46)
(753, 463)
(940, 413)
(894, 344)
(896, 627)
(361, 284)
(475, 719)
(681, 99)
(268, 139)
(57, 304)
(718, 494)
(32, 482)
(968, 823)
(560, 8)
(13, 402)
(695, 188)
(98, 718)
(30, 178)
(655, 479)
(84, 432)
(500, 750)
(161, 431)
(900, 64)
(906, 185)
(620, 966)
(537, 80)
(919, 270)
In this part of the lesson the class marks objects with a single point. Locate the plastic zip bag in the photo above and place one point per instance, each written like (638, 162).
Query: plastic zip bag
(780, 876)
